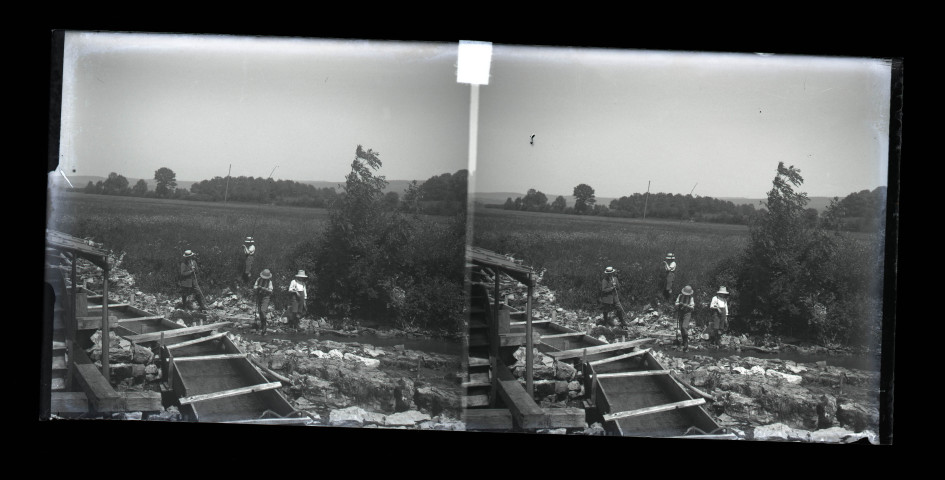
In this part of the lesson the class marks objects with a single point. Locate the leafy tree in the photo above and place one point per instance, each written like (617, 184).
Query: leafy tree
(534, 200)
(115, 184)
(559, 204)
(140, 189)
(584, 198)
(788, 273)
(166, 181)
(91, 188)
(509, 205)
(391, 200)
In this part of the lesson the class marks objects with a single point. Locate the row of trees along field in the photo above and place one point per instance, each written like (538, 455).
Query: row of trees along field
(863, 211)
(657, 205)
(443, 194)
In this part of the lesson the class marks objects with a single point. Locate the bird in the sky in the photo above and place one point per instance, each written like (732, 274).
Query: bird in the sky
(532, 141)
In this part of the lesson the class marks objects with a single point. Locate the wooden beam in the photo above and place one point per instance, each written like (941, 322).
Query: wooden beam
(94, 323)
(655, 409)
(536, 322)
(475, 401)
(568, 417)
(691, 388)
(563, 335)
(645, 373)
(69, 402)
(141, 401)
(225, 356)
(229, 393)
(488, 419)
(99, 392)
(141, 319)
(275, 421)
(617, 358)
(608, 347)
(176, 332)
(197, 340)
(110, 305)
(526, 413)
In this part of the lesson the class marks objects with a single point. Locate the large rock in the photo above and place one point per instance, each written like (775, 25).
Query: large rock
(856, 416)
(780, 432)
(437, 400)
(367, 362)
(347, 417)
(564, 371)
(408, 419)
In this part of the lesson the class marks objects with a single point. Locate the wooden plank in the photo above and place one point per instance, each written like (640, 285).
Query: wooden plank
(488, 419)
(644, 373)
(69, 402)
(94, 323)
(718, 436)
(534, 322)
(276, 421)
(475, 401)
(563, 335)
(197, 340)
(100, 393)
(620, 357)
(568, 417)
(150, 337)
(655, 409)
(609, 347)
(141, 319)
(526, 413)
(229, 393)
(141, 401)
(691, 388)
(225, 356)
(110, 305)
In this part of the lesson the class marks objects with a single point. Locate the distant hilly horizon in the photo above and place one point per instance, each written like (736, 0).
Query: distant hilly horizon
(399, 186)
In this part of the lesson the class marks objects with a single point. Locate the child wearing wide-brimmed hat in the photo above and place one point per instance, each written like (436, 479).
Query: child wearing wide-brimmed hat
(669, 266)
(263, 288)
(249, 254)
(719, 307)
(610, 296)
(685, 304)
(297, 298)
(187, 281)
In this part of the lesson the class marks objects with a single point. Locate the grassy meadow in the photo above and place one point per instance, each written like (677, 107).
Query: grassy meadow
(575, 250)
(153, 233)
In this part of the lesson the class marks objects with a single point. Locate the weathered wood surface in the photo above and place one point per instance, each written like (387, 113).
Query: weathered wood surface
(654, 409)
(469, 401)
(69, 402)
(578, 352)
(488, 419)
(197, 340)
(569, 417)
(267, 371)
(101, 395)
(229, 393)
(644, 373)
(276, 421)
(526, 413)
(94, 322)
(617, 358)
(691, 388)
(153, 336)
(223, 356)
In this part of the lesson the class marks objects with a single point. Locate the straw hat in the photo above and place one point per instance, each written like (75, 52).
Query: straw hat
(687, 290)
(250, 240)
(188, 253)
(609, 270)
(265, 274)
(301, 274)
(722, 290)
(670, 256)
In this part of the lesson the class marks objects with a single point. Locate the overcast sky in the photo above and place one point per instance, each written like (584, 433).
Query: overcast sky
(133, 103)
(613, 119)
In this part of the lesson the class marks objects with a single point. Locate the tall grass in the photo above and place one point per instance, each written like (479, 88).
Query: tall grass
(576, 250)
(154, 233)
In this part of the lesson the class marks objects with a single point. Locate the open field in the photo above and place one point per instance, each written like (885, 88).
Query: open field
(154, 232)
(576, 249)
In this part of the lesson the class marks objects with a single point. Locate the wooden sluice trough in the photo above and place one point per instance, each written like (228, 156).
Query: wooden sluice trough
(630, 389)
(216, 382)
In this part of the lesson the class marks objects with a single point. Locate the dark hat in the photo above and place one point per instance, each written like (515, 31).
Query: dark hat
(266, 274)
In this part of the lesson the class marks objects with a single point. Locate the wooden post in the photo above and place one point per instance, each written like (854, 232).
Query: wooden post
(106, 340)
(528, 340)
(70, 325)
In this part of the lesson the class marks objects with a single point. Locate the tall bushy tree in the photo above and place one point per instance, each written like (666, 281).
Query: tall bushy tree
(166, 181)
(786, 281)
(357, 260)
(140, 189)
(584, 198)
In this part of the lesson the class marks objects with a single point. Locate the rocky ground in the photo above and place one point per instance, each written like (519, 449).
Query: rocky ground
(359, 384)
(756, 398)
